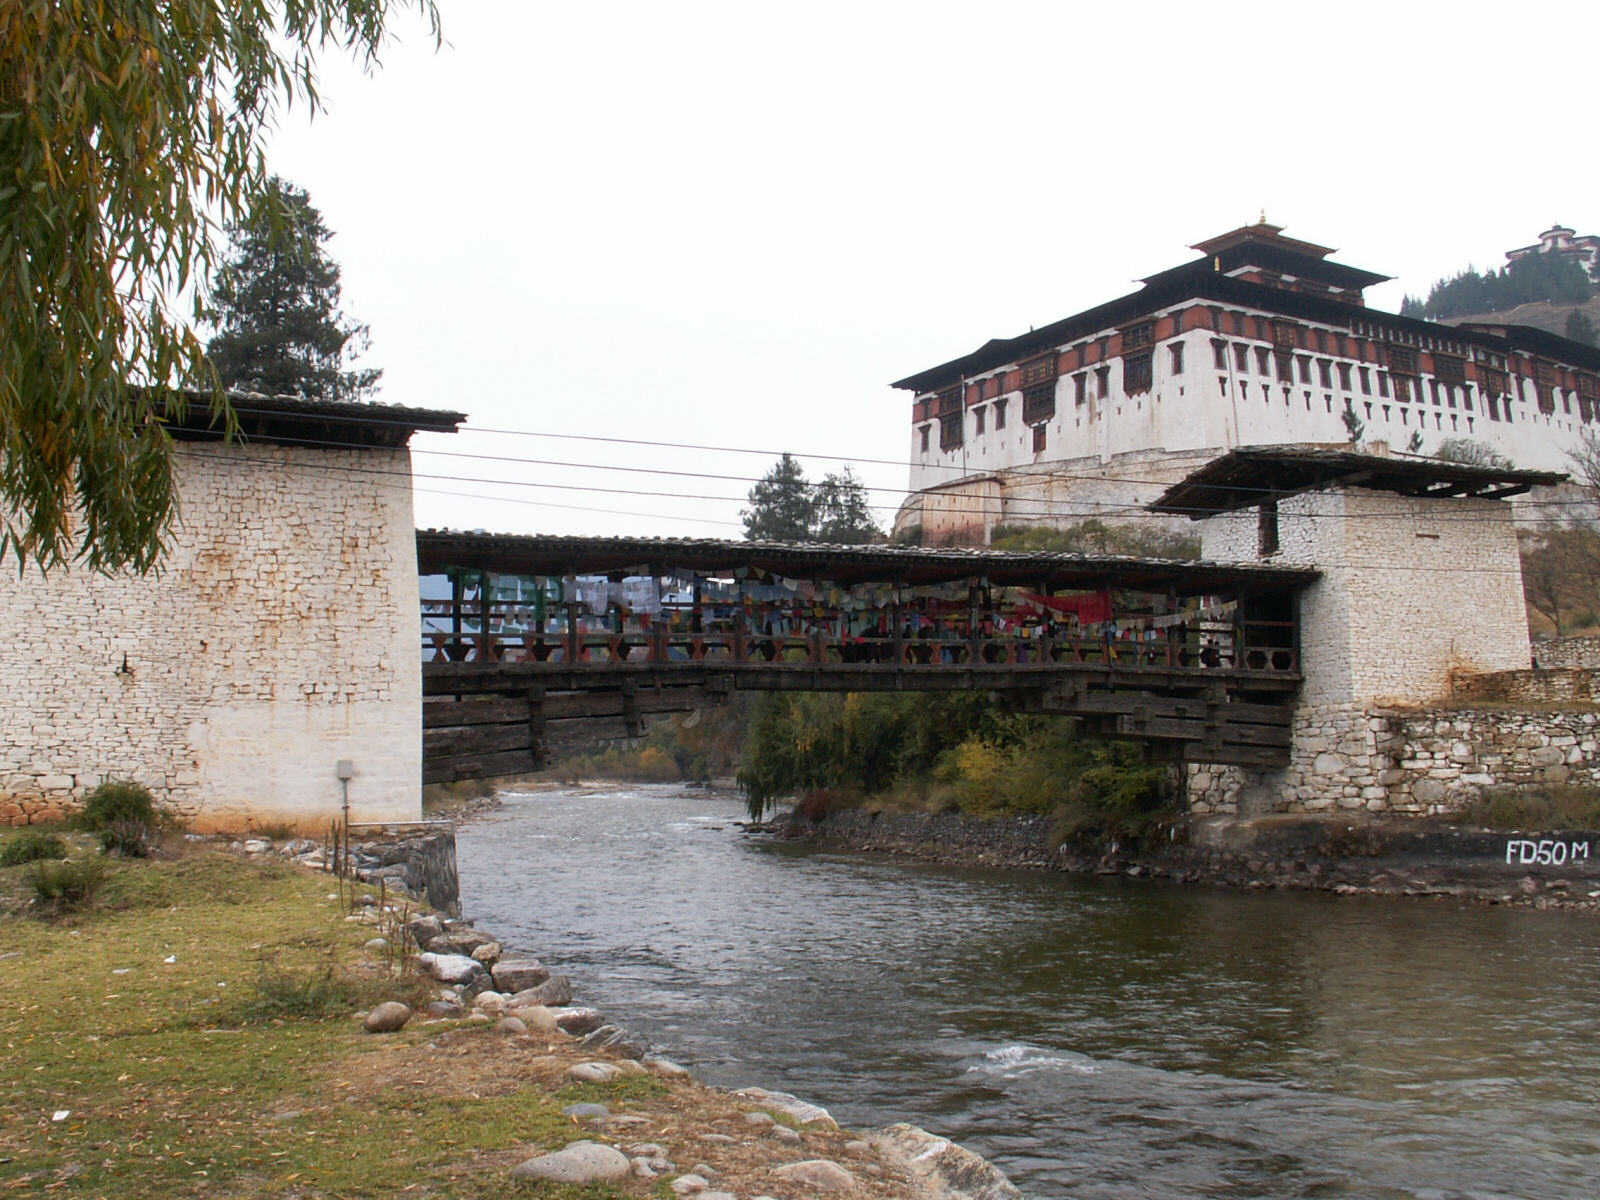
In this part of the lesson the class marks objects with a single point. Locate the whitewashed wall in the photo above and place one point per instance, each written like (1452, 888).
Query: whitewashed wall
(1209, 410)
(1414, 595)
(280, 637)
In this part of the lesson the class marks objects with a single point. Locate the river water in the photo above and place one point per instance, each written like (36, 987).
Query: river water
(1095, 1037)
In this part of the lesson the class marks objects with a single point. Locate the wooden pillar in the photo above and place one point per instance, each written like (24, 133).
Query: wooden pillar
(484, 652)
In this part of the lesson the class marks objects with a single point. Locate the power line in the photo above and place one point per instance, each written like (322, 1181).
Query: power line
(1016, 506)
(1128, 512)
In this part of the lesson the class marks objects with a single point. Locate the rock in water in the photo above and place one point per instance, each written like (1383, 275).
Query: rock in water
(552, 993)
(580, 1162)
(512, 975)
(387, 1017)
(944, 1170)
(818, 1174)
(488, 954)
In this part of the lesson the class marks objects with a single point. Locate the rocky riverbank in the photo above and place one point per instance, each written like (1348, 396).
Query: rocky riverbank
(747, 1144)
(1543, 869)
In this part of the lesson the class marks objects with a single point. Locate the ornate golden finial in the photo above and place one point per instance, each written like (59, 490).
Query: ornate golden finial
(1263, 219)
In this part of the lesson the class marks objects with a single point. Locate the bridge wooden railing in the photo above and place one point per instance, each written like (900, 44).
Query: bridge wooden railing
(1260, 648)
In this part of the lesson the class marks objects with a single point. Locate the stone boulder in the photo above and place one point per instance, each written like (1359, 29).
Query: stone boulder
(941, 1169)
(801, 1110)
(451, 968)
(538, 1019)
(818, 1174)
(387, 1017)
(423, 930)
(554, 992)
(577, 1021)
(612, 1037)
(512, 975)
(458, 941)
(579, 1162)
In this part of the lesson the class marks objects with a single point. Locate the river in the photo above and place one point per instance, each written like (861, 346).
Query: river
(1094, 1037)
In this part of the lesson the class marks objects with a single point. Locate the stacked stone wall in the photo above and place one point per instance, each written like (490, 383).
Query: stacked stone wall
(1433, 761)
(279, 637)
(1576, 653)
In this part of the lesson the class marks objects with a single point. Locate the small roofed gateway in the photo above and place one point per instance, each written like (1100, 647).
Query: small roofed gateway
(276, 646)
(1419, 584)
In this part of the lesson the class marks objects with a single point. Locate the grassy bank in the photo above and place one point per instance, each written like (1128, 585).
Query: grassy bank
(144, 1058)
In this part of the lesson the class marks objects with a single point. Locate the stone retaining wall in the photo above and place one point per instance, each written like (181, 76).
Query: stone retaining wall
(1418, 762)
(1578, 652)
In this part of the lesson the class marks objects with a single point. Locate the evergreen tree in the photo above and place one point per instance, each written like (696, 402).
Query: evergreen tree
(843, 516)
(1537, 278)
(786, 507)
(1353, 425)
(1581, 329)
(782, 508)
(276, 301)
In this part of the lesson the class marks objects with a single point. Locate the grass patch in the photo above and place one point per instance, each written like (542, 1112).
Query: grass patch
(127, 1020)
(622, 1088)
(1547, 806)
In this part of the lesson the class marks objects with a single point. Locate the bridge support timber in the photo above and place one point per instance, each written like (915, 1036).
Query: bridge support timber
(482, 720)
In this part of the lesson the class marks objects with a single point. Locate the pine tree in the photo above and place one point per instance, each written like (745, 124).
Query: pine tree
(786, 507)
(843, 516)
(276, 306)
(782, 507)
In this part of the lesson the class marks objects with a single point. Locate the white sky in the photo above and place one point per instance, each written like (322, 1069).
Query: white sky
(733, 224)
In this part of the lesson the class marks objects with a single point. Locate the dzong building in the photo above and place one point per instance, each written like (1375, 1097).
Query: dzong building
(1262, 340)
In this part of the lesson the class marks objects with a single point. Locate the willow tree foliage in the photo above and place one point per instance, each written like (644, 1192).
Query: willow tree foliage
(276, 306)
(130, 132)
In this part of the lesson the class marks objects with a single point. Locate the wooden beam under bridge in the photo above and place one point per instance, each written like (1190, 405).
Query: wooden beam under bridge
(487, 719)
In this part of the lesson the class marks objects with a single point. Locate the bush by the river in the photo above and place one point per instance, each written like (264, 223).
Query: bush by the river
(950, 751)
(117, 801)
(31, 847)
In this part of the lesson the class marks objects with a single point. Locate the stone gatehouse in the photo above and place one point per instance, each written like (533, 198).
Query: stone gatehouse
(278, 638)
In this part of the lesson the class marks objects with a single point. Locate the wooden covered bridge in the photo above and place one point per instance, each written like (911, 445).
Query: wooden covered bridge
(528, 639)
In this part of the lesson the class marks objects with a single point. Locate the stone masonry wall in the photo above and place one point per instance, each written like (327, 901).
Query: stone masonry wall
(1433, 761)
(1581, 653)
(279, 637)
(1413, 591)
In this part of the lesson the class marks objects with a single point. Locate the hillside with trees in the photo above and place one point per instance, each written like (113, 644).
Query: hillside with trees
(1547, 291)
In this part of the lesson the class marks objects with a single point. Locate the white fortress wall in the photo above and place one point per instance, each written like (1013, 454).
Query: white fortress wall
(1222, 390)
(280, 637)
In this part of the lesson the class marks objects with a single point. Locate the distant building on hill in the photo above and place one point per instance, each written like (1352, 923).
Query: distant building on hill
(1558, 239)
(1260, 341)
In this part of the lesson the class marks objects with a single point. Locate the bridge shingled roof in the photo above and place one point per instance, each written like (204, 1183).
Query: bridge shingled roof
(297, 421)
(1245, 477)
(534, 554)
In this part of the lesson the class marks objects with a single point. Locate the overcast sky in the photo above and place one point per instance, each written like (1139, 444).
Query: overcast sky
(733, 225)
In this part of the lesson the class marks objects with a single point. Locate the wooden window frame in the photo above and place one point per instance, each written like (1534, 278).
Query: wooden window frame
(1138, 372)
(1039, 403)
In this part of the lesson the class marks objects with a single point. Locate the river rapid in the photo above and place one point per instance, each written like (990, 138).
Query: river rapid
(1094, 1037)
